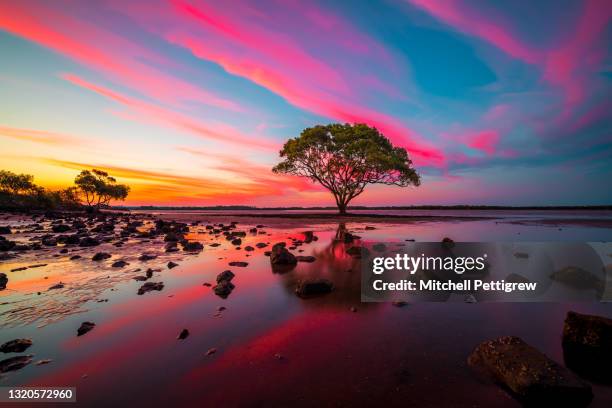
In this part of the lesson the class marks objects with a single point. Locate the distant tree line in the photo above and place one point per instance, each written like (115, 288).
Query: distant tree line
(93, 189)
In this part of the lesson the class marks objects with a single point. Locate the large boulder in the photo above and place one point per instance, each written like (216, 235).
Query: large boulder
(16, 346)
(587, 345)
(314, 287)
(530, 375)
(281, 255)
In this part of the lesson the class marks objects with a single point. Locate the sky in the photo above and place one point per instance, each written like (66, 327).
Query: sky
(189, 102)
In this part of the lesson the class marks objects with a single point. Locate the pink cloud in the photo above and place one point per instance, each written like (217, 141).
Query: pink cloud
(485, 141)
(148, 112)
(113, 56)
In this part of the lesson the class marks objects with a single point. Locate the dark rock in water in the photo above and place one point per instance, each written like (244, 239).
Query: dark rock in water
(225, 276)
(308, 236)
(214, 244)
(100, 256)
(577, 278)
(192, 246)
(369, 228)
(249, 248)
(49, 241)
(236, 241)
(208, 285)
(223, 288)
(149, 273)
(516, 278)
(302, 258)
(73, 257)
(57, 286)
(60, 228)
(22, 268)
(281, 256)
(63, 251)
(149, 286)
(16, 346)
(85, 327)
(448, 243)
(140, 278)
(531, 376)
(183, 334)
(6, 245)
(5, 230)
(3, 281)
(119, 264)
(587, 345)
(88, 242)
(261, 245)
(379, 247)
(313, 287)
(14, 363)
(239, 264)
(253, 230)
(171, 265)
(146, 257)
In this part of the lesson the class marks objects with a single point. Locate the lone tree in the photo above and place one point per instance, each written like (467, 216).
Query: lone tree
(99, 188)
(344, 158)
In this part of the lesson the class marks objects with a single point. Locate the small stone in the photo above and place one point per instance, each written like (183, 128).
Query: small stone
(238, 264)
(183, 334)
(225, 276)
(100, 256)
(211, 351)
(85, 327)
(172, 265)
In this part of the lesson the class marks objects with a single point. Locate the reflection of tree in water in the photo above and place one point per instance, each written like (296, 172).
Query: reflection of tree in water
(334, 264)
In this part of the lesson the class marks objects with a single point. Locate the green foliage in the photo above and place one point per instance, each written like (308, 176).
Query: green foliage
(98, 188)
(12, 183)
(18, 191)
(345, 158)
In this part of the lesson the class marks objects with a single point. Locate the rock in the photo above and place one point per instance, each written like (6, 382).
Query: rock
(183, 334)
(531, 376)
(261, 245)
(313, 287)
(149, 286)
(207, 284)
(3, 281)
(214, 244)
(302, 258)
(587, 345)
(57, 286)
(60, 228)
(239, 264)
(192, 246)
(171, 265)
(173, 237)
(448, 243)
(16, 346)
(119, 264)
(100, 256)
(236, 241)
(249, 248)
(281, 256)
(43, 361)
(6, 245)
(140, 278)
(149, 273)
(223, 288)
(74, 257)
(22, 268)
(88, 242)
(211, 351)
(5, 230)
(379, 247)
(85, 328)
(146, 257)
(369, 228)
(49, 241)
(308, 236)
(577, 278)
(14, 363)
(225, 276)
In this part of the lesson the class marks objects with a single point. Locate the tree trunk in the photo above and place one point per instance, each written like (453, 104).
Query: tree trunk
(342, 208)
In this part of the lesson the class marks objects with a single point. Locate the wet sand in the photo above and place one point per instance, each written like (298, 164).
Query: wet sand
(270, 347)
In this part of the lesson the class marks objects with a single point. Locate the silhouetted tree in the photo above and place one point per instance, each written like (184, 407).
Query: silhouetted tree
(345, 158)
(98, 188)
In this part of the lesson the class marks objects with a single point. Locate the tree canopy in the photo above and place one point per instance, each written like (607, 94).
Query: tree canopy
(345, 158)
(99, 188)
(12, 183)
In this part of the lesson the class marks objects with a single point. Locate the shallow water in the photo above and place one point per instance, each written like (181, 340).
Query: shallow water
(272, 348)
